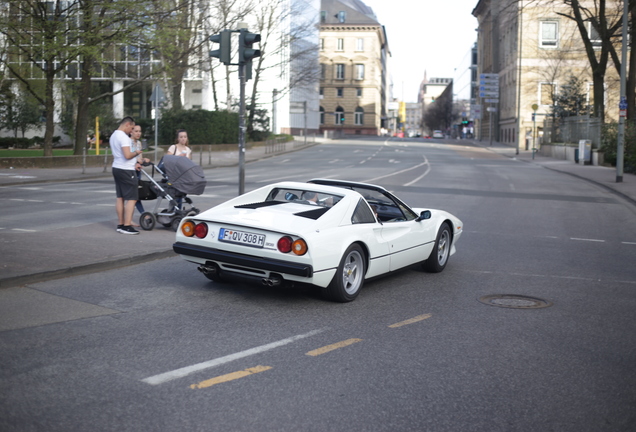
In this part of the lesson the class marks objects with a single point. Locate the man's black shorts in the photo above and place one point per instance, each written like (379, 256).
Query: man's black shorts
(126, 184)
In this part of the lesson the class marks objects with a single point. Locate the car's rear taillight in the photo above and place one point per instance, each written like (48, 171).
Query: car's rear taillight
(299, 247)
(187, 229)
(201, 230)
(285, 244)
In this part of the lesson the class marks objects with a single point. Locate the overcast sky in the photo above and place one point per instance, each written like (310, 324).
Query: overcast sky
(431, 35)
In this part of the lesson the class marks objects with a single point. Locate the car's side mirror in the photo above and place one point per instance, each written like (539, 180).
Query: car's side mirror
(426, 214)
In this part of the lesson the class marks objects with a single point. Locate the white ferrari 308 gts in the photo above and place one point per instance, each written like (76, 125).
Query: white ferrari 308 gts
(333, 234)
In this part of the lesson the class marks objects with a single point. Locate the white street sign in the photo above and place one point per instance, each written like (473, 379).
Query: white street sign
(492, 100)
(490, 76)
(491, 109)
(484, 94)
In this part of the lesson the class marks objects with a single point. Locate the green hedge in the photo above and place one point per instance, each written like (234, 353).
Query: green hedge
(24, 143)
(609, 141)
(204, 127)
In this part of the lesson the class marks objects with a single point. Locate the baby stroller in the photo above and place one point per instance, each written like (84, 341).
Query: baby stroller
(180, 177)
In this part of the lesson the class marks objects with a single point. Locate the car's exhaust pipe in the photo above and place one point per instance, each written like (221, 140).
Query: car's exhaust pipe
(208, 269)
(272, 280)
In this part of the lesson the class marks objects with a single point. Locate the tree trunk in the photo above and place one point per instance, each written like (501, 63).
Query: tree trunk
(598, 78)
(49, 107)
(83, 101)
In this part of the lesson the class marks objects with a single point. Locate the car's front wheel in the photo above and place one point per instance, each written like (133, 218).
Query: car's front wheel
(441, 251)
(349, 278)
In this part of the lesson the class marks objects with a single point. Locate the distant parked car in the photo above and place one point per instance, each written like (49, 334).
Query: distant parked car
(438, 134)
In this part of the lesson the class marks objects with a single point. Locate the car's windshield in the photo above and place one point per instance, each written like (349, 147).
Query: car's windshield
(386, 207)
(303, 196)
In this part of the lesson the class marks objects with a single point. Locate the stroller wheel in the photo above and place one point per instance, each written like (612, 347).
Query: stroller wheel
(147, 221)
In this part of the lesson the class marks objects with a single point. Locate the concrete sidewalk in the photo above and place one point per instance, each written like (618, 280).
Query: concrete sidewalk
(35, 257)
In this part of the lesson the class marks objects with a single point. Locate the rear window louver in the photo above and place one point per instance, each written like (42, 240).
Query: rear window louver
(259, 204)
(312, 214)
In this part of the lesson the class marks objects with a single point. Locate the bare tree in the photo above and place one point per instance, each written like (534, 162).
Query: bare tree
(286, 32)
(38, 51)
(605, 18)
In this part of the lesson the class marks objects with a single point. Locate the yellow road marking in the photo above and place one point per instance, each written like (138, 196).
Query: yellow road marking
(332, 347)
(411, 321)
(230, 377)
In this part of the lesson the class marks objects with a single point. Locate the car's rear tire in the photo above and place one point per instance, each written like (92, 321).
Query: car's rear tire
(147, 221)
(349, 278)
(441, 251)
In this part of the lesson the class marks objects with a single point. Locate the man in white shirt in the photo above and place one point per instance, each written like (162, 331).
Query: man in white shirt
(126, 181)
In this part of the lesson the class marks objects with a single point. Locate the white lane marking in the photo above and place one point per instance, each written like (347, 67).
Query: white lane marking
(428, 170)
(397, 172)
(629, 243)
(22, 230)
(185, 371)
(585, 239)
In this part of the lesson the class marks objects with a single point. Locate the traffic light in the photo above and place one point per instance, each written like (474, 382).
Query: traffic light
(224, 39)
(246, 52)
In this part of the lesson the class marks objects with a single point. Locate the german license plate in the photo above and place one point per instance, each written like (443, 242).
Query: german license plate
(241, 237)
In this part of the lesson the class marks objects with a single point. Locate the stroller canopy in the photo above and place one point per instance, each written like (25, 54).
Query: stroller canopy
(186, 176)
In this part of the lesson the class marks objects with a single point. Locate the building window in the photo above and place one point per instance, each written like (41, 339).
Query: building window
(340, 45)
(340, 71)
(546, 93)
(360, 44)
(323, 71)
(322, 91)
(549, 36)
(595, 38)
(322, 44)
(197, 90)
(322, 115)
(323, 16)
(359, 92)
(359, 116)
(359, 71)
(340, 116)
(339, 92)
(342, 16)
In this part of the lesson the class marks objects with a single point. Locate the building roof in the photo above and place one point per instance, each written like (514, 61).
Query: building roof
(357, 12)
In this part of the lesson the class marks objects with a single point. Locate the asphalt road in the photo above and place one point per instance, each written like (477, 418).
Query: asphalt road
(156, 346)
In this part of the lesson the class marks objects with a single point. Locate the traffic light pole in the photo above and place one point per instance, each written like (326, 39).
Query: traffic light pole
(242, 129)
(245, 55)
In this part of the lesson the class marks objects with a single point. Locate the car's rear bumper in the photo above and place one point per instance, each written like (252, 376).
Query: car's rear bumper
(268, 264)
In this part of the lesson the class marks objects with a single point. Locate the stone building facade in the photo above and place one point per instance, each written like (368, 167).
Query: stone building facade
(534, 49)
(353, 58)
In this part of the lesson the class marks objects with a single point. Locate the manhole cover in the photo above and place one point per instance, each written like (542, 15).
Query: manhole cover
(514, 301)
